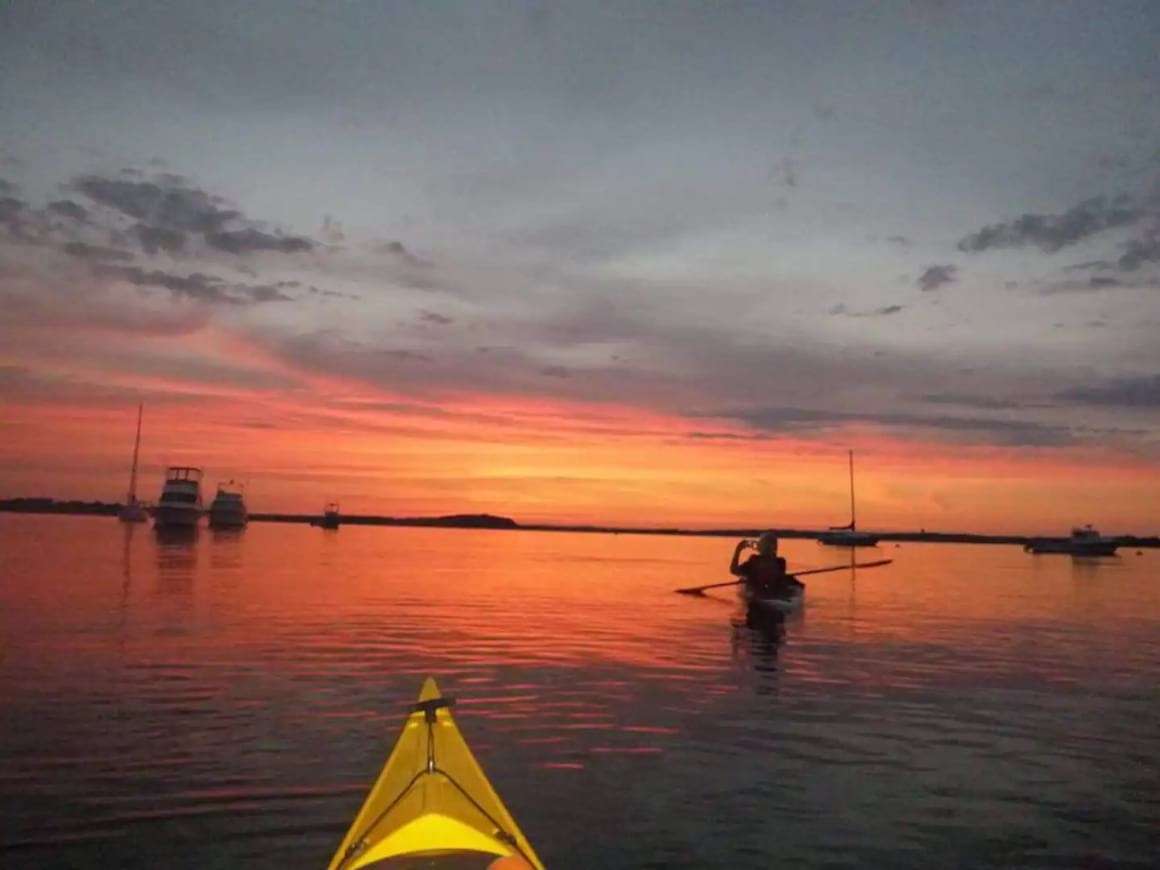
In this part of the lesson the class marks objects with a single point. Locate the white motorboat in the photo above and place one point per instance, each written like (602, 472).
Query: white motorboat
(228, 508)
(1084, 541)
(180, 504)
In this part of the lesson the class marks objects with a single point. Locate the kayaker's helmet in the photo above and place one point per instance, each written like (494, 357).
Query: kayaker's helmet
(767, 544)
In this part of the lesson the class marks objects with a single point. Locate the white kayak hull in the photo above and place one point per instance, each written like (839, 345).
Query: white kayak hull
(782, 606)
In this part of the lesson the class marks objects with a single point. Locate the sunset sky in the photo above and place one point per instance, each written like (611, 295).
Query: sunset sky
(641, 263)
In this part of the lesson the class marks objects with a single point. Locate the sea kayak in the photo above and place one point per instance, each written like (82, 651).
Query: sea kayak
(432, 798)
(775, 605)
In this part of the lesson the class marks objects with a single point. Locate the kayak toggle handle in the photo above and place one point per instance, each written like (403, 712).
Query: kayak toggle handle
(428, 708)
(503, 836)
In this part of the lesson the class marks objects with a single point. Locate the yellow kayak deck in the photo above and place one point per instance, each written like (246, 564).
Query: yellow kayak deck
(432, 797)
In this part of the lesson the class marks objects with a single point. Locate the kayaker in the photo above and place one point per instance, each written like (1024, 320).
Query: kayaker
(764, 572)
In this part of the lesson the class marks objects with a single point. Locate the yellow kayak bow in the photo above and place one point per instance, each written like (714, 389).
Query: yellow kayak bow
(432, 797)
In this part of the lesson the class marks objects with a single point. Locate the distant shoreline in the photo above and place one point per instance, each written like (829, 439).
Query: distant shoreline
(501, 523)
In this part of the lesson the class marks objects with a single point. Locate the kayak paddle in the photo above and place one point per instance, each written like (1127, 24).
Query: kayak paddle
(697, 590)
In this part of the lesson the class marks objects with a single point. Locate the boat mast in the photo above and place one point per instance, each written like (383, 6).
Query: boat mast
(853, 518)
(136, 452)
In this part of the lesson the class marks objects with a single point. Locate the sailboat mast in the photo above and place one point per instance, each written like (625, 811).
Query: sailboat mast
(853, 517)
(136, 452)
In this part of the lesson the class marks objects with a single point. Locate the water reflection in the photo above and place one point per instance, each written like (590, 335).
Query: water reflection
(226, 550)
(263, 682)
(177, 554)
(758, 636)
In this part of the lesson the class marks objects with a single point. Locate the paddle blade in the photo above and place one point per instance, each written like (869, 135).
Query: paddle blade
(697, 590)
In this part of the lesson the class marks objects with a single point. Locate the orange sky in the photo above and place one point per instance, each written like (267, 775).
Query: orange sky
(313, 438)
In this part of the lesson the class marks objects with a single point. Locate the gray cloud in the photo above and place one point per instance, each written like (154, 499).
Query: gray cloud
(11, 210)
(399, 250)
(404, 355)
(23, 223)
(1134, 392)
(884, 311)
(1097, 281)
(166, 202)
(330, 294)
(1050, 232)
(69, 209)
(167, 208)
(197, 286)
(7, 188)
(266, 292)
(902, 241)
(435, 318)
(204, 288)
(1140, 251)
(1088, 265)
(936, 276)
(725, 436)
(95, 253)
(250, 240)
(154, 239)
(1019, 433)
(985, 403)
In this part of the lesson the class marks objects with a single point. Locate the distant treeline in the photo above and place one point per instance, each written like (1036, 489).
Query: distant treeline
(491, 521)
(52, 506)
(456, 521)
(912, 537)
(100, 508)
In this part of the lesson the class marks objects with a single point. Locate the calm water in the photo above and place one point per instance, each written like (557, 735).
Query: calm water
(226, 703)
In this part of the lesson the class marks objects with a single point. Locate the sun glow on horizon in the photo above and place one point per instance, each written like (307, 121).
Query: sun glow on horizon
(542, 461)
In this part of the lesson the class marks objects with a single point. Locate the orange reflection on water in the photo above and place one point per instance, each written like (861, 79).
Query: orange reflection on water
(287, 656)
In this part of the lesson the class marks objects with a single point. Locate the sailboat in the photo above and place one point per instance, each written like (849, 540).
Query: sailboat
(848, 535)
(134, 511)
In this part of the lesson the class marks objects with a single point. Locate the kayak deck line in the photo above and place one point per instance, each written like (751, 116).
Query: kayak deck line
(423, 801)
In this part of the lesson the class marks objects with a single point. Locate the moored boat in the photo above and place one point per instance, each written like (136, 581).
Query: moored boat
(180, 504)
(1084, 541)
(228, 508)
(848, 535)
(330, 518)
(134, 511)
(432, 799)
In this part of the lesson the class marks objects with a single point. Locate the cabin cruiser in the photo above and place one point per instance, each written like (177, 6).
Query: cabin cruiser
(180, 504)
(1084, 541)
(228, 508)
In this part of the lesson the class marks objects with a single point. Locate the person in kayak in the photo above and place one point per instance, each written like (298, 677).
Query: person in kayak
(764, 572)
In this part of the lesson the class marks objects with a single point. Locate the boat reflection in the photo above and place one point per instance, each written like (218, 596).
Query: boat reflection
(757, 636)
(177, 552)
(175, 535)
(126, 582)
